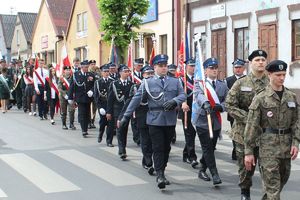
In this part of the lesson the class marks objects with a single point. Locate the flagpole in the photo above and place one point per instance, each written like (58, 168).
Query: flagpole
(199, 52)
(111, 46)
(184, 65)
(131, 58)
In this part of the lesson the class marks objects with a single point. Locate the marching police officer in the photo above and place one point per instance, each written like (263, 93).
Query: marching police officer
(275, 111)
(81, 91)
(118, 93)
(164, 94)
(189, 155)
(100, 97)
(237, 105)
(238, 72)
(214, 106)
(63, 87)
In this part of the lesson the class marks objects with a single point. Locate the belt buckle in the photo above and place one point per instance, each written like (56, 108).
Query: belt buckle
(281, 131)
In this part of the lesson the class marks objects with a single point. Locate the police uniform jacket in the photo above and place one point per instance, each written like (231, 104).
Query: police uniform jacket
(201, 120)
(80, 85)
(156, 94)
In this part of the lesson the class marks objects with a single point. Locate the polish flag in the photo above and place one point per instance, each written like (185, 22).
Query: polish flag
(64, 59)
(152, 56)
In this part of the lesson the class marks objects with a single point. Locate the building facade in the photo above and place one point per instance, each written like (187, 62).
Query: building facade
(7, 27)
(230, 30)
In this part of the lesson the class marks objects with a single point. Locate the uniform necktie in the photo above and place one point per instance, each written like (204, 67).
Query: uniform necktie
(162, 80)
(42, 72)
(124, 83)
(214, 84)
(192, 78)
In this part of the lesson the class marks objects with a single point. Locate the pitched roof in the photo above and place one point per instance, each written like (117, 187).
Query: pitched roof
(8, 25)
(60, 13)
(27, 21)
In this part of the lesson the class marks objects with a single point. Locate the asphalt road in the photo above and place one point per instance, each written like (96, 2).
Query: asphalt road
(39, 161)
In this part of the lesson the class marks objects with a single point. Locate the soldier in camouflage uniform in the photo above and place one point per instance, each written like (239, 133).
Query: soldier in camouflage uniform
(237, 104)
(274, 111)
(63, 87)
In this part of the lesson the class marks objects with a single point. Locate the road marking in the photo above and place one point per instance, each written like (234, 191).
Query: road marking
(171, 170)
(100, 169)
(41, 176)
(2, 194)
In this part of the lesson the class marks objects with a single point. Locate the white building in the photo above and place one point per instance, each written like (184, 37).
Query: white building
(234, 28)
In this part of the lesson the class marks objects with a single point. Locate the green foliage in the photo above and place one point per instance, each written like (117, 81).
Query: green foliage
(119, 17)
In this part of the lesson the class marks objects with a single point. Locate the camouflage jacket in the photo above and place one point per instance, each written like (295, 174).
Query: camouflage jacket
(268, 111)
(238, 101)
(63, 91)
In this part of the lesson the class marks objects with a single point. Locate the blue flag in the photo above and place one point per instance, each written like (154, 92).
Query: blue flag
(114, 55)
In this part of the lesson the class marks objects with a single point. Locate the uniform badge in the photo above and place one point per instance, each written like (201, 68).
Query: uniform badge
(246, 89)
(270, 114)
(280, 67)
(260, 52)
(291, 104)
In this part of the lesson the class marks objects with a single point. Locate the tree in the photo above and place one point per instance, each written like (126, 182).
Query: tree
(118, 18)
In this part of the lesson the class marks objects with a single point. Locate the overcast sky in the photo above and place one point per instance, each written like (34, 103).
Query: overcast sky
(8, 6)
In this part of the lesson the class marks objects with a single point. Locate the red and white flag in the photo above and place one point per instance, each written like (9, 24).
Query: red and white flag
(152, 56)
(64, 60)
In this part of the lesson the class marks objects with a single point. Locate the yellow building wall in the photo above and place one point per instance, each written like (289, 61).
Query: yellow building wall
(91, 41)
(44, 27)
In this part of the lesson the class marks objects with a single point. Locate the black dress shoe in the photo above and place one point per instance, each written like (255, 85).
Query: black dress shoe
(160, 180)
(99, 139)
(151, 171)
(167, 182)
(123, 156)
(45, 117)
(194, 163)
(72, 127)
(64, 127)
(110, 145)
(84, 134)
(203, 175)
(216, 179)
(245, 197)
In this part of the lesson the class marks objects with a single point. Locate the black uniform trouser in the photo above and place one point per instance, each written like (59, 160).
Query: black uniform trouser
(52, 107)
(122, 137)
(189, 134)
(146, 146)
(19, 97)
(103, 122)
(94, 110)
(135, 131)
(40, 102)
(83, 115)
(208, 145)
(24, 100)
(161, 137)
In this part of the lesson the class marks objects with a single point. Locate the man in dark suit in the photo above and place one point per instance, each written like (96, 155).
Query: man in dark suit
(81, 90)
(118, 93)
(238, 72)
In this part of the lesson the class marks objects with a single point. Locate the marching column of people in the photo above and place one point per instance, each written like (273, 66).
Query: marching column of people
(263, 114)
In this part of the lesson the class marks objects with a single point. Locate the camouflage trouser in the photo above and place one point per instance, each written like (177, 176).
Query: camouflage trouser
(275, 173)
(245, 176)
(64, 106)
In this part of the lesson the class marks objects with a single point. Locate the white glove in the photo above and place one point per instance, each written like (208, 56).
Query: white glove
(66, 97)
(102, 111)
(19, 77)
(70, 102)
(90, 93)
(45, 97)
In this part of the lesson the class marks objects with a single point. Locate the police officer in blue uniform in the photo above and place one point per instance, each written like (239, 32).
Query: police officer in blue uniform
(100, 97)
(118, 93)
(219, 88)
(81, 91)
(163, 94)
(189, 154)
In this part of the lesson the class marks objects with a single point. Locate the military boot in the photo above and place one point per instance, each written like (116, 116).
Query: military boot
(215, 176)
(160, 179)
(72, 122)
(245, 194)
(64, 126)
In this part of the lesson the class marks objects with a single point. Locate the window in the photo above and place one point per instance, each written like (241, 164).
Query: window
(78, 53)
(79, 22)
(18, 37)
(241, 43)
(203, 45)
(163, 44)
(296, 40)
(136, 49)
(84, 21)
(85, 53)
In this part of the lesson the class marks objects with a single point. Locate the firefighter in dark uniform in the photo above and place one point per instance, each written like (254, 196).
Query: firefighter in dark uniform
(189, 155)
(118, 93)
(163, 94)
(100, 97)
(113, 72)
(81, 90)
(93, 69)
